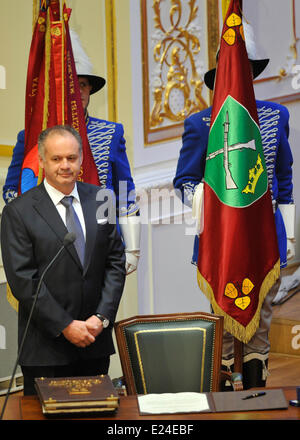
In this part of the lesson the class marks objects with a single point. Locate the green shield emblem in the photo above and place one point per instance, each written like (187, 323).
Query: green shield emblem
(235, 165)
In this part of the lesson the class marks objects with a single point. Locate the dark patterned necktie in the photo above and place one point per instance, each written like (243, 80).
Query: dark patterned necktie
(73, 225)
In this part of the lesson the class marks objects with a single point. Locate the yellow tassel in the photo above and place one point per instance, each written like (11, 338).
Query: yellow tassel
(11, 299)
(240, 332)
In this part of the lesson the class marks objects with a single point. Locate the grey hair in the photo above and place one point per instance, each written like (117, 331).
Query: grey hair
(57, 129)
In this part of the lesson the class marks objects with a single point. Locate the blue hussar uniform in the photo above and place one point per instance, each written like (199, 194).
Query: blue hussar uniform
(108, 147)
(109, 151)
(274, 128)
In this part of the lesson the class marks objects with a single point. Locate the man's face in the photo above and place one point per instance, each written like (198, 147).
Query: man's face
(85, 90)
(61, 161)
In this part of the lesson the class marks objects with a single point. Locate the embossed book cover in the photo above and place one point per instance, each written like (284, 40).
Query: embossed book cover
(77, 394)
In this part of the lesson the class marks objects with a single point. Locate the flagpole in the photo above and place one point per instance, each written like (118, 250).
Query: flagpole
(238, 345)
(238, 356)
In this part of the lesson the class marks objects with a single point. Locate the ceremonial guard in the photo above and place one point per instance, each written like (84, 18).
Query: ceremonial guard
(274, 129)
(108, 147)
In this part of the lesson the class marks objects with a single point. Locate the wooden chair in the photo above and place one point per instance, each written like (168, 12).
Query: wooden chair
(171, 353)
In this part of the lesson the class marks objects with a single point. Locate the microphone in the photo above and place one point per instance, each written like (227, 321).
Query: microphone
(69, 238)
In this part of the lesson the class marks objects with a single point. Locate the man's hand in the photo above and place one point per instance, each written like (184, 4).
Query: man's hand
(79, 334)
(94, 325)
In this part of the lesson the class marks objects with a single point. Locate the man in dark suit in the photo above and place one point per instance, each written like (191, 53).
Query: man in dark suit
(70, 333)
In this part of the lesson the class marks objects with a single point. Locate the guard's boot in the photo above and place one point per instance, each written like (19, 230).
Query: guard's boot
(254, 373)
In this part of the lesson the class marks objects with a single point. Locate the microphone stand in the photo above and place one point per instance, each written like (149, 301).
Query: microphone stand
(68, 239)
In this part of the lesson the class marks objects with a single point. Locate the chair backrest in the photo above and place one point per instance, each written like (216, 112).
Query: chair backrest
(170, 353)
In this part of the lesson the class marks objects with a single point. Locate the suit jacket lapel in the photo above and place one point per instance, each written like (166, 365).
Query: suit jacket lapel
(45, 207)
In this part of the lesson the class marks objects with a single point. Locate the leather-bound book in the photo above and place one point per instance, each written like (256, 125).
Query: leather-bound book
(77, 395)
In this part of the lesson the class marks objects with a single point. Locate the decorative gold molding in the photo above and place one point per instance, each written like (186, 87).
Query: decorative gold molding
(111, 59)
(293, 46)
(176, 87)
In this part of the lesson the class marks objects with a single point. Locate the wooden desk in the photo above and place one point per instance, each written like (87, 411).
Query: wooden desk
(28, 408)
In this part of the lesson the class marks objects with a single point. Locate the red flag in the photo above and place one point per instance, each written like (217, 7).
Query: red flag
(35, 97)
(238, 253)
(52, 92)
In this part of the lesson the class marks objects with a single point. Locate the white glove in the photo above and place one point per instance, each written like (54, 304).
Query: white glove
(131, 231)
(197, 208)
(288, 213)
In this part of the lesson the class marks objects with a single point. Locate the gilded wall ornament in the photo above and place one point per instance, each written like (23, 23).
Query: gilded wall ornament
(176, 83)
(179, 42)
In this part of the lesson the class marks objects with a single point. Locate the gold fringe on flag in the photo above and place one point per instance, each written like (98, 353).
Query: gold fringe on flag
(243, 334)
(11, 299)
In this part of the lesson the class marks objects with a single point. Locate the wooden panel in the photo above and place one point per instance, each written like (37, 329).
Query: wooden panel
(285, 337)
(285, 327)
(283, 370)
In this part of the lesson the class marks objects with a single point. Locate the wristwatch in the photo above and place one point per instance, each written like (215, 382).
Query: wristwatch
(105, 321)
